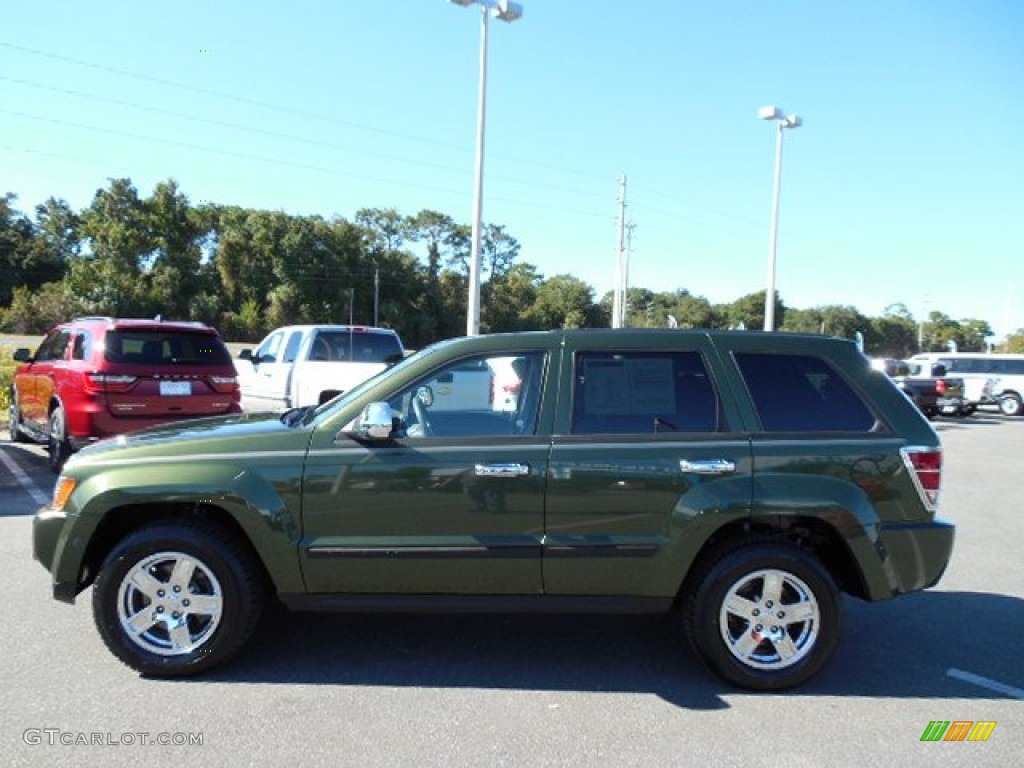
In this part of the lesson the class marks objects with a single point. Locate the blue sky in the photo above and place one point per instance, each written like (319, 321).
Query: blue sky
(905, 183)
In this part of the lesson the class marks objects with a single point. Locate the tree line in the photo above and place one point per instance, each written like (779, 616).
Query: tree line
(247, 271)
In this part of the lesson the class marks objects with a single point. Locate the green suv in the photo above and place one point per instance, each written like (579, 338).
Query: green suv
(738, 480)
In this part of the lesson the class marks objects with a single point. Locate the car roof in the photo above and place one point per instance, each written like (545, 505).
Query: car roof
(144, 324)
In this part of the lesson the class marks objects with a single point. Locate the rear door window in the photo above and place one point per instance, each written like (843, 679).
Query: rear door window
(642, 392)
(802, 393)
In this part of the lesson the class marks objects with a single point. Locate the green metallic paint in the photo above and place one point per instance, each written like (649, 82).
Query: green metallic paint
(596, 517)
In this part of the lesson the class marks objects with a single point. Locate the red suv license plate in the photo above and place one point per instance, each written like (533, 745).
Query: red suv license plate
(175, 388)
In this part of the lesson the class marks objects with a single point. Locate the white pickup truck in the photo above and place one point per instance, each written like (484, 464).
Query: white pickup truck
(301, 365)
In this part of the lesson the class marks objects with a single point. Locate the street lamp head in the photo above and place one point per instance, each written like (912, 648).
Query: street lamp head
(507, 11)
(792, 121)
(765, 113)
(503, 10)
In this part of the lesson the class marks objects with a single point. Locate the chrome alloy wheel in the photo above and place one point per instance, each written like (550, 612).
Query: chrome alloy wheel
(769, 619)
(169, 603)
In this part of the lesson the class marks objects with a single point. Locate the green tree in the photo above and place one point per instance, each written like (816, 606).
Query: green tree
(1014, 342)
(175, 276)
(107, 278)
(563, 301)
(511, 298)
(748, 312)
(16, 236)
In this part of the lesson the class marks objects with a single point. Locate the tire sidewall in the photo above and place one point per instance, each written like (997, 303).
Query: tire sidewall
(238, 601)
(713, 588)
(57, 450)
(1010, 405)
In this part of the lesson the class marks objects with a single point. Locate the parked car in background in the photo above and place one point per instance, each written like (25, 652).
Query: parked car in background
(95, 377)
(989, 379)
(739, 481)
(300, 365)
(928, 386)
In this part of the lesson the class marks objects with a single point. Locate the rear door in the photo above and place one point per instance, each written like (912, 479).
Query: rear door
(647, 458)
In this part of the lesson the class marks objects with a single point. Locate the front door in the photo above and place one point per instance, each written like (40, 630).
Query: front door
(453, 504)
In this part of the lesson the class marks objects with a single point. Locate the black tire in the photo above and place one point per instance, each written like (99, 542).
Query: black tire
(14, 420)
(58, 447)
(136, 587)
(803, 619)
(1011, 404)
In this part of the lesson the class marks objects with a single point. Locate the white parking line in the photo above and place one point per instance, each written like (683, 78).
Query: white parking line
(26, 482)
(984, 682)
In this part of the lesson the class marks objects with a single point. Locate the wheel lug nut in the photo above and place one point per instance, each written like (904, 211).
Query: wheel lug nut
(177, 589)
(176, 615)
(781, 614)
(159, 609)
(186, 603)
(756, 612)
(759, 627)
(160, 593)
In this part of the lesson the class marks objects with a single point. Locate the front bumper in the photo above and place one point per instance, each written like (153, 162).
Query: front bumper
(50, 539)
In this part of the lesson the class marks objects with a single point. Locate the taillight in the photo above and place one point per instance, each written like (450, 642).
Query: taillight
(224, 383)
(941, 387)
(925, 467)
(110, 382)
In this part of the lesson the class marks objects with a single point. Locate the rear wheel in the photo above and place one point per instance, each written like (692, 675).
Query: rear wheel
(58, 447)
(14, 420)
(176, 598)
(764, 616)
(1011, 404)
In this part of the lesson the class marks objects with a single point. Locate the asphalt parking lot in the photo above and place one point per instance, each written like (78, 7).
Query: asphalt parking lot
(537, 691)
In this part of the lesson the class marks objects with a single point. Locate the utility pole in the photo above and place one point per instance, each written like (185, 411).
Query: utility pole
(376, 294)
(630, 227)
(619, 296)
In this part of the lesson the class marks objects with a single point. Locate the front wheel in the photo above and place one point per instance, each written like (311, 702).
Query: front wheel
(1011, 404)
(764, 616)
(14, 420)
(176, 598)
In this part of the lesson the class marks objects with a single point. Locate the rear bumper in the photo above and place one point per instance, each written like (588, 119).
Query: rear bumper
(913, 556)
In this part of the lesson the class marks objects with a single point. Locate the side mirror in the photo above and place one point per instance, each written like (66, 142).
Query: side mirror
(246, 354)
(378, 422)
(23, 355)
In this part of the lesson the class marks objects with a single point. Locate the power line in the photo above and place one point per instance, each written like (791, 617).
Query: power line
(279, 108)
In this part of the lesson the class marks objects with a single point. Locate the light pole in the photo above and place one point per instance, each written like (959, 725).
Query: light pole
(505, 11)
(782, 122)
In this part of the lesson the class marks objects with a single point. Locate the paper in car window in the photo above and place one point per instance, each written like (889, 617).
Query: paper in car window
(629, 386)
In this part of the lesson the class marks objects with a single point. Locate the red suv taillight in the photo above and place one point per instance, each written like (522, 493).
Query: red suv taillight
(941, 387)
(108, 382)
(226, 384)
(925, 467)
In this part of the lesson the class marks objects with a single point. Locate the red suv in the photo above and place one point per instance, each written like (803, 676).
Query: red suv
(96, 377)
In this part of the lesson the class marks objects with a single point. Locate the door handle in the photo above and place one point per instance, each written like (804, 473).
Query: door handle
(708, 466)
(501, 470)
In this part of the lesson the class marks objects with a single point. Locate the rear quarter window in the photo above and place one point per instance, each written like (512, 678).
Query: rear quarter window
(802, 393)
